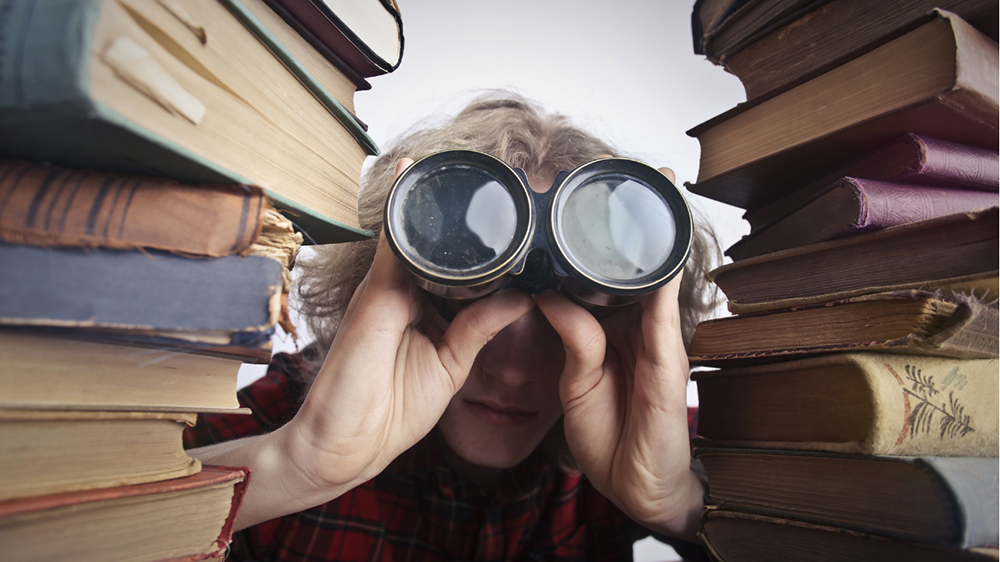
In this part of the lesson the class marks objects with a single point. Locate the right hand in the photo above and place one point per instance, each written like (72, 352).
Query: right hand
(389, 375)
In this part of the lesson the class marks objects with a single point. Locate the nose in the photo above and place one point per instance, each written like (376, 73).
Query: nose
(523, 353)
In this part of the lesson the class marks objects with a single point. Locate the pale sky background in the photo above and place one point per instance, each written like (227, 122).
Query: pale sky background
(623, 69)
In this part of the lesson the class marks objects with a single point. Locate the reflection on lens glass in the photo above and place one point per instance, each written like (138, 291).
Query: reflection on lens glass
(617, 228)
(458, 218)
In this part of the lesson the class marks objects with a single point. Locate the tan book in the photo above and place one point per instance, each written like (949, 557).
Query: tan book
(47, 452)
(44, 371)
(179, 520)
(866, 403)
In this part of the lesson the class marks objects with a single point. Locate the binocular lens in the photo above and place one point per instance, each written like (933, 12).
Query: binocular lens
(616, 228)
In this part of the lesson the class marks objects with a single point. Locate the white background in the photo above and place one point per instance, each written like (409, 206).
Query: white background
(623, 69)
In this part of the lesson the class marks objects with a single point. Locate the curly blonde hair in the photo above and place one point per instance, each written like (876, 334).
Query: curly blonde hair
(512, 129)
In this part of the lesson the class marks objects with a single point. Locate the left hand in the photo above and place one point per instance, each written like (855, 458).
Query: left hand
(624, 396)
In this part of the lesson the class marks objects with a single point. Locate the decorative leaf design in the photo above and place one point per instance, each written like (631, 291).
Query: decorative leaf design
(954, 423)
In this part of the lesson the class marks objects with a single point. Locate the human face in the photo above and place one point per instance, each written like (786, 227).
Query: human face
(510, 400)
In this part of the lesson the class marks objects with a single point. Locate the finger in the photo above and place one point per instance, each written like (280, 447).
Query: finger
(402, 164)
(669, 173)
(583, 340)
(475, 325)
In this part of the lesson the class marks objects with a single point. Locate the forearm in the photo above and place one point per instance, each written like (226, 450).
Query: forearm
(279, 485)
(682, 519)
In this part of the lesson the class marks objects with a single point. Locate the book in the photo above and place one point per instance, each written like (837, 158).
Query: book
(955, 251)
(63, 371)
(326, 66)
(745, 20)
(184, 519)
(734, 536)
(47, 452)
(948, 501)
(53, 206)
(231, 300)
(367, 35)
(939, 80)
(827, 34)
(909, 322)
(151, 94)
(861, 403)
(911, 158)
(854, 205)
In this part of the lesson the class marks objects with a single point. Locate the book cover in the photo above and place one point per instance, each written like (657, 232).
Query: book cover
(949, 501)
(935, 253)
(155, 99)
(734, 536)
(908, 322)
(940, 80)
(832, 33)
(912, 159)
(367, 35)
(854, 205)
(55, 451)
(231, 300)
(862, 403)
(113, 524)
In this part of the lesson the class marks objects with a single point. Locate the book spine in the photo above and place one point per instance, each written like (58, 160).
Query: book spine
(44, 51)
(967, 166)
(973, 484)
(927, 406)
(885, 204)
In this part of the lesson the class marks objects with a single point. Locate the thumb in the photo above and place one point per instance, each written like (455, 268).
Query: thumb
(475, 325)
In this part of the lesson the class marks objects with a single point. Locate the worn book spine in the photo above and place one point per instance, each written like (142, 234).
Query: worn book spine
(873, 205)
(912, 159)
(957, 326)
(839, 269)
(52, 206)
(921, 406)
(231, 300)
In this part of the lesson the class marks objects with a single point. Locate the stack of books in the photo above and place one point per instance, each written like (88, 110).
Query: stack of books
(160, 164)
(852, 413)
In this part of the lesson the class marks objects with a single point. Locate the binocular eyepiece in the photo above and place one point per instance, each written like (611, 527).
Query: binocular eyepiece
(464, 223)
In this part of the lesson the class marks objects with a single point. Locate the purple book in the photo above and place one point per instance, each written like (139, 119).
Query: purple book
(851, 206)
(911, 159)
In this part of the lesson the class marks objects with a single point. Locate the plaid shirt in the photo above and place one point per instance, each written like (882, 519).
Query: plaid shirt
(418, 509)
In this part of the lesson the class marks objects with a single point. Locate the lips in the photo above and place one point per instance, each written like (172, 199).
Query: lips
(499, 414)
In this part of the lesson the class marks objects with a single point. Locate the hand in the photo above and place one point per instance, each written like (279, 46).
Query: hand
(623, 390)
(391, 371)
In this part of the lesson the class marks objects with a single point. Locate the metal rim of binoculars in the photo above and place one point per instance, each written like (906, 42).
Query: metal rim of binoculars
(606, 232)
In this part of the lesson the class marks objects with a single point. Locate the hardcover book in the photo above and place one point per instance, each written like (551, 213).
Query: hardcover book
(909, 322)
(231, 300)
(939, 80)
(854, 205)
(912, 159)
(734, 536)
(957, 252)
(829, 34)
(180, 520)
(47, 452)
(67, 372)
(183, 90)
(948, 501)
(863, 403)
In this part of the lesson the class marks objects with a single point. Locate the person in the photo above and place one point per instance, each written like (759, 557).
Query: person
(524, 428)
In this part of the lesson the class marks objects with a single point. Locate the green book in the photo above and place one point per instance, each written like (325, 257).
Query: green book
(195, 91)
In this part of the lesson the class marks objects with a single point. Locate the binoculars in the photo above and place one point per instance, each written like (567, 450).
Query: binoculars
(465, 224)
